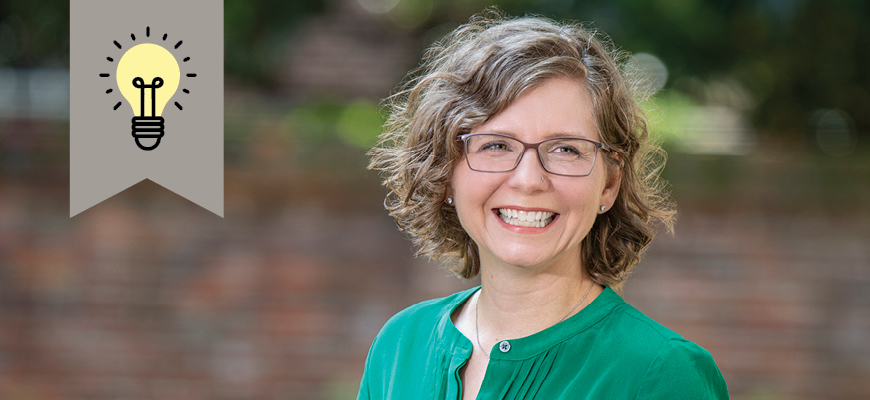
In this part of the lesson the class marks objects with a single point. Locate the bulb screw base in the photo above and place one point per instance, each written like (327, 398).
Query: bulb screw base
(147, 128)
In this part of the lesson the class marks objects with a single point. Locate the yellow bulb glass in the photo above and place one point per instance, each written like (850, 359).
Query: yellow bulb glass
(148, 61)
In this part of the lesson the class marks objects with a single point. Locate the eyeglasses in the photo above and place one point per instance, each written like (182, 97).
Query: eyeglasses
(567, 156)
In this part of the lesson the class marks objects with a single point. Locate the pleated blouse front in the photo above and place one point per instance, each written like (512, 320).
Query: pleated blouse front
(608, 350)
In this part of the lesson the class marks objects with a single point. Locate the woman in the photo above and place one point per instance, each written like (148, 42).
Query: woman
(520, 150)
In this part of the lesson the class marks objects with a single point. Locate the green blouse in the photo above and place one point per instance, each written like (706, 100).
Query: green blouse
(608, 350)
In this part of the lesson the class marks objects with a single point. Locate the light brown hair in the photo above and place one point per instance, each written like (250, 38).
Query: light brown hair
(470, 76)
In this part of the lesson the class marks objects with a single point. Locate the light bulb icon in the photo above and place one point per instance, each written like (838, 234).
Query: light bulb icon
(148, 76)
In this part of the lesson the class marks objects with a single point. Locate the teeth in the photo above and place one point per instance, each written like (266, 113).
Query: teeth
(534, 219)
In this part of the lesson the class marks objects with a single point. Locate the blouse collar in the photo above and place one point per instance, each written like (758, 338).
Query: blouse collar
(529, 346)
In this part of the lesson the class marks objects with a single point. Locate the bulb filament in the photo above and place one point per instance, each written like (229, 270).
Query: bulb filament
(139, 83)
(153, 125)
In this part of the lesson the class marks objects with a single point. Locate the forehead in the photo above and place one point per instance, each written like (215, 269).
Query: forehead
(557, 107)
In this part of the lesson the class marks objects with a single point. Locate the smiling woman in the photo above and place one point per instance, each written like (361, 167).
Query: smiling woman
(519, 149)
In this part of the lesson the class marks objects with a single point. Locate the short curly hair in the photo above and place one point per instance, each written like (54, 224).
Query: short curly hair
(470, 76)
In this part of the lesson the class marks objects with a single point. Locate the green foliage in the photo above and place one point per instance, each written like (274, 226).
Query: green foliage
(255, 30)
(313, 123)
(360, 124)
(667, 115)
(34, 32)
(325, 124)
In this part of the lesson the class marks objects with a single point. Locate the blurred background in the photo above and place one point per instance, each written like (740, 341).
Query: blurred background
(763, 106)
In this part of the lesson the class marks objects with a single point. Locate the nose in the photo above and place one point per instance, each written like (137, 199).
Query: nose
(526, 177)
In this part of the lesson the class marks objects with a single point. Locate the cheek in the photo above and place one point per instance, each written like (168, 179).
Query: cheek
(463, 182)
(471, 191)
(582, 201)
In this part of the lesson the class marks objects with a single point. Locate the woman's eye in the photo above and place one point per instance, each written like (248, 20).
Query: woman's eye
(566, 149)
(495, 146)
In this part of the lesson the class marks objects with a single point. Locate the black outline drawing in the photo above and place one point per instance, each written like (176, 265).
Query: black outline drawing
(147, 124)
(145, 127)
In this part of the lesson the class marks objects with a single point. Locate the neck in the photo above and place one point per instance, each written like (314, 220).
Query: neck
(516, 302)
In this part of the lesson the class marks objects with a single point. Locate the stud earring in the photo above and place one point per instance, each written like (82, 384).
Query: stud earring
(450, 201)
(603, 208)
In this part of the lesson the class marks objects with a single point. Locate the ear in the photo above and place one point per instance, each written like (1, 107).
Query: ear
(611, 185)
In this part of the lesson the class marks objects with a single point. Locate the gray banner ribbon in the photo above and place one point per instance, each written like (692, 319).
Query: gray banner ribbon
(118, 136)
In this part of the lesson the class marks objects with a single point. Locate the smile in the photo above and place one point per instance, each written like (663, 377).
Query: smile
(531, 219)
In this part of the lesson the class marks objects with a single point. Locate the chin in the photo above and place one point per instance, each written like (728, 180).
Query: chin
(523, 256)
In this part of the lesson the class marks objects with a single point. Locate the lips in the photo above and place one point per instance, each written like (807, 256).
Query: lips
(530, 219)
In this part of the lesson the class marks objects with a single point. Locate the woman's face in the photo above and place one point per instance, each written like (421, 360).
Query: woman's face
(558, 107)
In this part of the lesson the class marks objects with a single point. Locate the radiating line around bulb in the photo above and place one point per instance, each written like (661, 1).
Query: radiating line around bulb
(109, 91)
(117, 105)
(178, 105)
(147, 31)
(110, 59)
(186, 59)
(178, 44)
(192, 75)
(104, 75)
(165, 35)
(133, 36)
(117, 44)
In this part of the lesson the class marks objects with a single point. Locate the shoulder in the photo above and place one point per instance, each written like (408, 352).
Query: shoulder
(683, 370)
(632, 331)
(671, 366)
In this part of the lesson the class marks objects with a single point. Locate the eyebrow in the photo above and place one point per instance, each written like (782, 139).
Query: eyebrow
(553, 135)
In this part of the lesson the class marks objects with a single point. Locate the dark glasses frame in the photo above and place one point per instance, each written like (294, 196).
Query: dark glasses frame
(598, 145)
